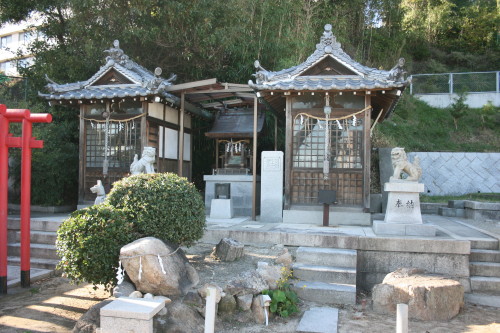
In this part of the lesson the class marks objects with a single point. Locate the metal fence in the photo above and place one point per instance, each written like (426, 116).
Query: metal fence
(455, 83)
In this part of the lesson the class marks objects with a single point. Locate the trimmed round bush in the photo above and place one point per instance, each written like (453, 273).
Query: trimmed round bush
(89, 243)
(162, 205)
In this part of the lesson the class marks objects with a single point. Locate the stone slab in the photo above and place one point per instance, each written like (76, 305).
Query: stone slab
(402, 229)
(271, 197)
(115, 324)
(221, 209)
(132, 308)
(326, 293)
(319, 320)
(478, 205)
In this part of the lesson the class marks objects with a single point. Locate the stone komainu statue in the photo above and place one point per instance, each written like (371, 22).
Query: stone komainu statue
(146, 163)
(400, 164)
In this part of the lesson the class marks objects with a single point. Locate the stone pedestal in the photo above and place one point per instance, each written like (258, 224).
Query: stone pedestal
(403, 216)
(241, 192)
(130, 315)
(221, 209)
(271, 198)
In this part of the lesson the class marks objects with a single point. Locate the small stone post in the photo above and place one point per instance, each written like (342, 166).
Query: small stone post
(210, 310)
(402, 318)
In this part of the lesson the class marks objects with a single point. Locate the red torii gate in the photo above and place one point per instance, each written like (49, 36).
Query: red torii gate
(25, 142)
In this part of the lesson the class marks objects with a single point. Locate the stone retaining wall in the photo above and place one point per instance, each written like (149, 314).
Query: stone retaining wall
(459, 173)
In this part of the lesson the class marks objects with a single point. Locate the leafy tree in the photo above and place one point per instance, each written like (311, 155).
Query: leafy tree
(458, 109)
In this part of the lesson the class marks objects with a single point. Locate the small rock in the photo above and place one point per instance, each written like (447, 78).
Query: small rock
(285, 258)
(247, 283)
(164, 298)
(163, 311)
(229, 249)
(271, 274)
(135, 294)
(203, 291)
(123, 289)
(227, 305)
(244, 302)
(258, 310)
(148, 296)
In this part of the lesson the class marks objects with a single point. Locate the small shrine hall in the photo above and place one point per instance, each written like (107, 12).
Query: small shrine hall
(330, 103)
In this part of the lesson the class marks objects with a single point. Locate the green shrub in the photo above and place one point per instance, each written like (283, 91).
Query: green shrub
(284, 301)
(162, 205)
(89, 243)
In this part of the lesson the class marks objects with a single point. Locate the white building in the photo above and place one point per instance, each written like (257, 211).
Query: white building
(14, 41)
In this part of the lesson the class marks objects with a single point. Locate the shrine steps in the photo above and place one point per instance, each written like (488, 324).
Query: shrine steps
(43, 236)
(326, 275)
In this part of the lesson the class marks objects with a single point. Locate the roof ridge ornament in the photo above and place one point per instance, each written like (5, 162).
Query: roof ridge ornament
(397, 73)
(158, 83)
(328, 42)
(117, 55)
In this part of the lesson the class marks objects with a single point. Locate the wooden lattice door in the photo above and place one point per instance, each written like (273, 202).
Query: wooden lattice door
(341, 145)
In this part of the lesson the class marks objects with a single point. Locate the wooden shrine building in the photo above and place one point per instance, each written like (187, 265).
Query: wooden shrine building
(124, 108)
(330, 103)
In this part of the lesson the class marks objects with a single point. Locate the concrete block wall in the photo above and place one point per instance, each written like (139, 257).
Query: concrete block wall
(459, 173)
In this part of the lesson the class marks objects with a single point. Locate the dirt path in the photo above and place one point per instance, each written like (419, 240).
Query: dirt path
(54, 305)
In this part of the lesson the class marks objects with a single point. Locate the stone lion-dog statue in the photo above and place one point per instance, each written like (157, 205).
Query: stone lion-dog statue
(400, 164)
(146, 163)
(99, 190)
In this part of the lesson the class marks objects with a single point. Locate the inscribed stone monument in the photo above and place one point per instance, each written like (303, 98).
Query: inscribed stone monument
(271, 199)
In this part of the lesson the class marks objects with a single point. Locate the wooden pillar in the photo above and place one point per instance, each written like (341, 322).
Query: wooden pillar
(367, 156)
(83, 158)
(275, 133)
(216, 154)
(288, 151)
(181, 136)
(254, 162)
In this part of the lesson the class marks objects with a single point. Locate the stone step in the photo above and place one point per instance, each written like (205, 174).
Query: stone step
(319, 320)
(42, 251)
(484, 244)
(36, 224)
(327, 274)
(484, 269)
(326, 256)
(484, 255)
(451, 212)
(326, 293)
(487, 299)
(40, 237)
(484, 283)
(35, 262)
(36, 274)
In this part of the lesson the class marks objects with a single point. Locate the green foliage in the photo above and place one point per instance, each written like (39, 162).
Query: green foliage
(458, 109)
(486, 197)
(416, 126)
(490, 116)
(161, 205)
(89, 243)
(284, 301)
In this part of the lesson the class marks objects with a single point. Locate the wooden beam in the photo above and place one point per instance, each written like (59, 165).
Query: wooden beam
(216, 154)
(213, 91)
(181, 136)
(191, 85)
(254, 162)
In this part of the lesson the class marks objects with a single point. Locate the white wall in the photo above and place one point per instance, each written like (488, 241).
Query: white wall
(473, 100)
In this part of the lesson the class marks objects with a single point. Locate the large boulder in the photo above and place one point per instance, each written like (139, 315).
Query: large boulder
(91, 320)
(171, 275)
(429, 297)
